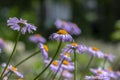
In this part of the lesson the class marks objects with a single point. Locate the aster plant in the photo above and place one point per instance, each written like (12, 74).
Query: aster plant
(63, 65)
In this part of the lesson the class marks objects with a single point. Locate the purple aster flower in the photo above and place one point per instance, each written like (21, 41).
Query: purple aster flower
(96, 78)
(44, 50)
(79, 48)
(13, 69)
(109, 57)
(66, 65)
(37, 38)
(67, 75)
(20, 24)
(54, 65)
(61, 35)
(94, 51)
(65, 56)
(70, 27)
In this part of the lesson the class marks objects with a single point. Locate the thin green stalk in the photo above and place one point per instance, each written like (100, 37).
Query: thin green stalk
(11, 54)
(104, 63)
(75, 66)
(60, 76)
(50, 62)
(58, 69)
(90, 61)
(27, 58)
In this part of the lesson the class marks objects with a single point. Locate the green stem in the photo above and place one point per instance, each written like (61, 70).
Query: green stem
(11, 54)
(58, 69)
(50, 62)
(27, 58)
(23, 61)
(75, 66)
(90, 61)
(104, 63)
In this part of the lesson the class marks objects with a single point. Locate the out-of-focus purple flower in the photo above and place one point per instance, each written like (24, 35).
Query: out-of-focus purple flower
(70, 27)
(61, 35)
(20, 24)
(66, 65)
(13, 69)
(109, 57)
(37, 38)
(2, 44)
(96, 78)
(67, 75)
(94, 51)
(79, 48)
(44, 50)
(54, 65)
(65, 56)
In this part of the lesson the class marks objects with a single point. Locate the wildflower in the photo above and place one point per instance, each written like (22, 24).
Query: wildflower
(96, 78)
(79, 48)
(61, 35)
(44, 50)
(66, 65)
(65, 56)
(37, 38)
(54, 65)
(109, 57)
(70, 27)
(13, 69)
(66, 74)
(94, 51)
(20, 24)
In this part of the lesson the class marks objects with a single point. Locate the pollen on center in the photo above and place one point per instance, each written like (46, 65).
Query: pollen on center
(14, 68)
(95, 48)
(45, 47)
(74, 44)
(62, 32)
(65, 62)
(37, 35)
(55, 63)
(99, 72)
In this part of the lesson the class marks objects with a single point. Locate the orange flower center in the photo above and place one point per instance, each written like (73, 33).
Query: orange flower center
(13, 68)
(110, 69)
(95, 48)
(65, 62)
(37, 35)
(67, 54)
(55, 63)
(45, 47)
(74, 44)
(20, 79)
(99, 72)
(62, 32)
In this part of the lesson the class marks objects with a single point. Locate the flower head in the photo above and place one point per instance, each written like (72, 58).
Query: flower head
(79, 48)
(70, 27)
(61, 35)
(20, 24)
(109, 57)
(37, 38)
(94, 51)
(65, 56)
(66, 74)
(44, 50)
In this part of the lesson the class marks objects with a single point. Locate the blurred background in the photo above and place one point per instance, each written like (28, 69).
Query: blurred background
(99, 21)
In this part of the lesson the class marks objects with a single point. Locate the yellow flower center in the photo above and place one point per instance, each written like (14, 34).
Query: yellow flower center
(55, 63)
(74, 44)
(65, 62)
(20, 79)
(109, 69)
(37, 35)
(62, 32)
(95, 48)
(14, 68)
(96, 77)
(99, 72)
(67, 54)
(45, 47)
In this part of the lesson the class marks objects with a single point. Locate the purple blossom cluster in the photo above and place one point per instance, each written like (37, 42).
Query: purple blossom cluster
(65, 65)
